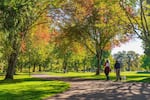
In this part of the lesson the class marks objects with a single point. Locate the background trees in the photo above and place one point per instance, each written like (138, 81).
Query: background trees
(129, 60)
(146, 64)
(138, 14)
(71, 34)
(17, 17)
(95, 25)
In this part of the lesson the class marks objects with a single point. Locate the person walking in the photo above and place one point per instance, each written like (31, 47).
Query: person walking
(117, 70)
(107, 69)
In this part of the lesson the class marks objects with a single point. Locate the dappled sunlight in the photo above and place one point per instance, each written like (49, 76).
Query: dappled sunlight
(126, 76)
(91, 89)
(101, 90)
(59, 47)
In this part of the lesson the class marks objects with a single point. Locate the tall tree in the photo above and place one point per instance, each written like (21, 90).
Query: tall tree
(138, 14)
(63, 51)
(95, 24)
(17, 18)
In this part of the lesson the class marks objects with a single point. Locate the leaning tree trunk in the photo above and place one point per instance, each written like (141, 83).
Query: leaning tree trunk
(11, 66)
(12, 60)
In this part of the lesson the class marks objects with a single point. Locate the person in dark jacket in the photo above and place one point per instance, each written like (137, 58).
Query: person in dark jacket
(117, 70)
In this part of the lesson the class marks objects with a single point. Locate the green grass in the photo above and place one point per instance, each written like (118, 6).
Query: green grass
(24, 87)
(137, 77)
(130, 76)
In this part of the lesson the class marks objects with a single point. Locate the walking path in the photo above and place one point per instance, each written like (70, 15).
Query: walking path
(83, 89)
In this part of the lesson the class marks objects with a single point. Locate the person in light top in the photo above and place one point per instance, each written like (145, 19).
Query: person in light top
(107, 69)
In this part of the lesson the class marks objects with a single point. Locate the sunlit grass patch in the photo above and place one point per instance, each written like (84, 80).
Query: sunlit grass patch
(24, 87)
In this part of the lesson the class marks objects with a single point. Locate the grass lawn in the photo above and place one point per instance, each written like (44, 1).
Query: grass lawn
(24, 87)
(126, 76)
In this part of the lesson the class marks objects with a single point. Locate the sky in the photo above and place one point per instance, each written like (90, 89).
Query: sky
(133, 45)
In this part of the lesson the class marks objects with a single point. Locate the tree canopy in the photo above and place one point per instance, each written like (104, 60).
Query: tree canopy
(69, 34)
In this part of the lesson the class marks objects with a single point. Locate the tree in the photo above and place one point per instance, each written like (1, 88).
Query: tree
(132, 60)
(121, 56)
(62, 51)
(37, 43)
(138, 14)
(68, 51)
(129, 60)
(93, 24)
(146, 63)
(17, 18)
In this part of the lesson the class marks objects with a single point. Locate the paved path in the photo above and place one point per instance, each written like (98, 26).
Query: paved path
(82, 89)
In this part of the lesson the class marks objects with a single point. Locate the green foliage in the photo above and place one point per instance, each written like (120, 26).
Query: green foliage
(137, 12)
(93, 24)
(146, 63)
(129, 60)
(17, 18)
(87, 31)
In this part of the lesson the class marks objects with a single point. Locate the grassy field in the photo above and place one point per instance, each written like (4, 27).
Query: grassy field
(24, 87)
(126, 76)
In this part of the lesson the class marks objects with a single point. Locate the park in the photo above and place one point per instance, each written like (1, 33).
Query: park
(62, 50)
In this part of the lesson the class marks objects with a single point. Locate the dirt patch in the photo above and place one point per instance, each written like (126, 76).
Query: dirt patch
(83, 89)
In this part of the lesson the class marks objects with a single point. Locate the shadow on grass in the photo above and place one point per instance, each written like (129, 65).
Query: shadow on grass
(21, 80)
(31, 91)
(145, 80)
(143, 72)
(30, 94)
(77, 78)
(132, 78)
(25, 95)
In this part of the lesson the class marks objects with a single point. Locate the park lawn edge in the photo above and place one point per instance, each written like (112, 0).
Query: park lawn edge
(26, 88)
(126, 76)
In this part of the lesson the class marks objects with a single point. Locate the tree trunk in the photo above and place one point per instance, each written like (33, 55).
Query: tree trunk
(4, 69)
(29, 70)
(84, 68)
(84, 65)
(75, 66)
(44, 68)
(12, 58)
(51, 67)
(11, 66)
(34, 68)
(98, 56)
(40, 69)
(129, 64)
(65, 65)
(98, 66)
(21, 66)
